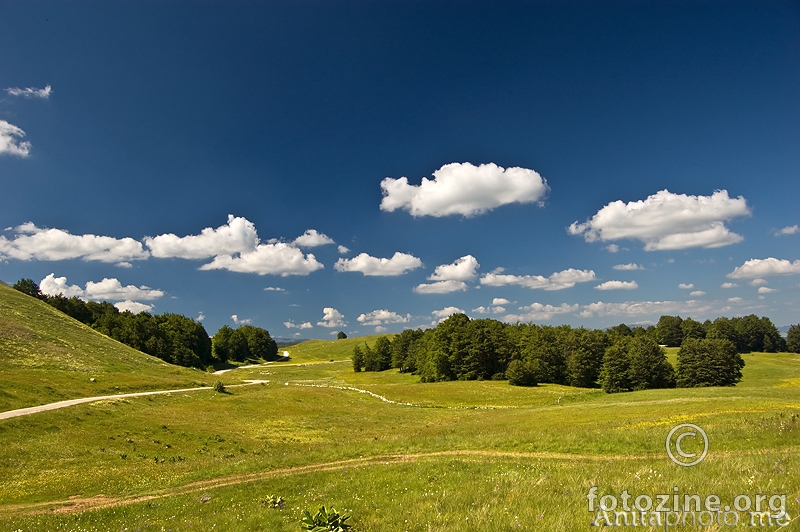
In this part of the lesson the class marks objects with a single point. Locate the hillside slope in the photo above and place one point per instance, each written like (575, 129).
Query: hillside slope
(46, 356)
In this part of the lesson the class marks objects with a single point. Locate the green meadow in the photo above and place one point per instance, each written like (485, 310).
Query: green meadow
(449, 456)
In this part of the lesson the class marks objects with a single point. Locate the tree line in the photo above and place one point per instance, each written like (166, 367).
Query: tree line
(173, 338)
(617, 359)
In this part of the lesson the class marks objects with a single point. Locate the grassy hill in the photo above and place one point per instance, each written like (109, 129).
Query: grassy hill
(326, 350)
(46, 356)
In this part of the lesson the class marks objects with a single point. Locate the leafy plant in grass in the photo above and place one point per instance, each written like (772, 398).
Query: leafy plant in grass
(219, 387)
(325, 521)
(274, 501)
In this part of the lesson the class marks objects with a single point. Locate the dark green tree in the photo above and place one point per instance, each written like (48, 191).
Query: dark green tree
(383, 353)
(692, 329)
(29, 287)
(615, 375)
(793, 339)
(358, 359)
(649, 365)
(668, 331)
(521, 373)
(708, 362)
(341, 335)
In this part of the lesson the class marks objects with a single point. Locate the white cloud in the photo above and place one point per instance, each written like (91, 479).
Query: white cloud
(667, 221)
(31, 92)
(380, 329)
(766, 290)
(728, 285)
(343, 250)
(124, 264)
(134, 307)
(241, 321)
(35, 243)
(628, 267)
(496, 309)
(311, 238)
(331, 318)
(440, 287)
(539, 312)
(686, 286)
(500, 301)
(291, 325)
(612, 248)
(463, 269)
(654, 308)
(556, 281)
(789, 230)
(237, 236)
(274, 259)
(105, 290)
(201, 316)
(446, 313)
(463, 188)
(380, 317)
(274, 289)
(697, 293)
(768, 267)
(618, 285)
(758, 282)
(9, 140)
(735, 299)
(399, 264)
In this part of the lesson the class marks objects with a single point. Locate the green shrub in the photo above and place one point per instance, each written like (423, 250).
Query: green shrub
(219, 387)
(325, 521)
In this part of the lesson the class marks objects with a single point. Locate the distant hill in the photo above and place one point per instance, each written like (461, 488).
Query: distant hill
(46, 356)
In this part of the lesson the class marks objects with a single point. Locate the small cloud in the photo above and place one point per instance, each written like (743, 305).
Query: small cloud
(291, 325)
(398, 264)
(31, 92)
(440, 287)
(124, 265)
(612, 248)
(312, 238)
(134, 307)
(697, 293)
(618, 285)
(628, 267)
(274, 289)
(686, 286)
(759, 268)
(500, 301)
(766, 290)
(729, 285)
(758, 282)
(735, 299)
(556, 281)
(446, 313)
(10, 144)
(343, 250)
(201, 316)
(465, 189)
(790, 230)
(379, 317)
(331, 318)
(380, 329)
(244, 321)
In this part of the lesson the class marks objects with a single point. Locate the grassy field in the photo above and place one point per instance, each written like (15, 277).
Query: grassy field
(481, 456)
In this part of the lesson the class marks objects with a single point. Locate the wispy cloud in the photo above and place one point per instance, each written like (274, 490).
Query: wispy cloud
(556, 281)
(628, 267)
(241, 321)
(31, 92)
(789, 230)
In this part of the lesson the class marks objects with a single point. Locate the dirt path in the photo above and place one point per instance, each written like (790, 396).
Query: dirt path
(79, 504)
(71, 402)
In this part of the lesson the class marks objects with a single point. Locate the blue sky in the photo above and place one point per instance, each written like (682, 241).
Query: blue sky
(565, 162)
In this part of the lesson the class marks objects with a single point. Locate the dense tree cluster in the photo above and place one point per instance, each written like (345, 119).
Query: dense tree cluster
(618, 359)
(173, 338)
